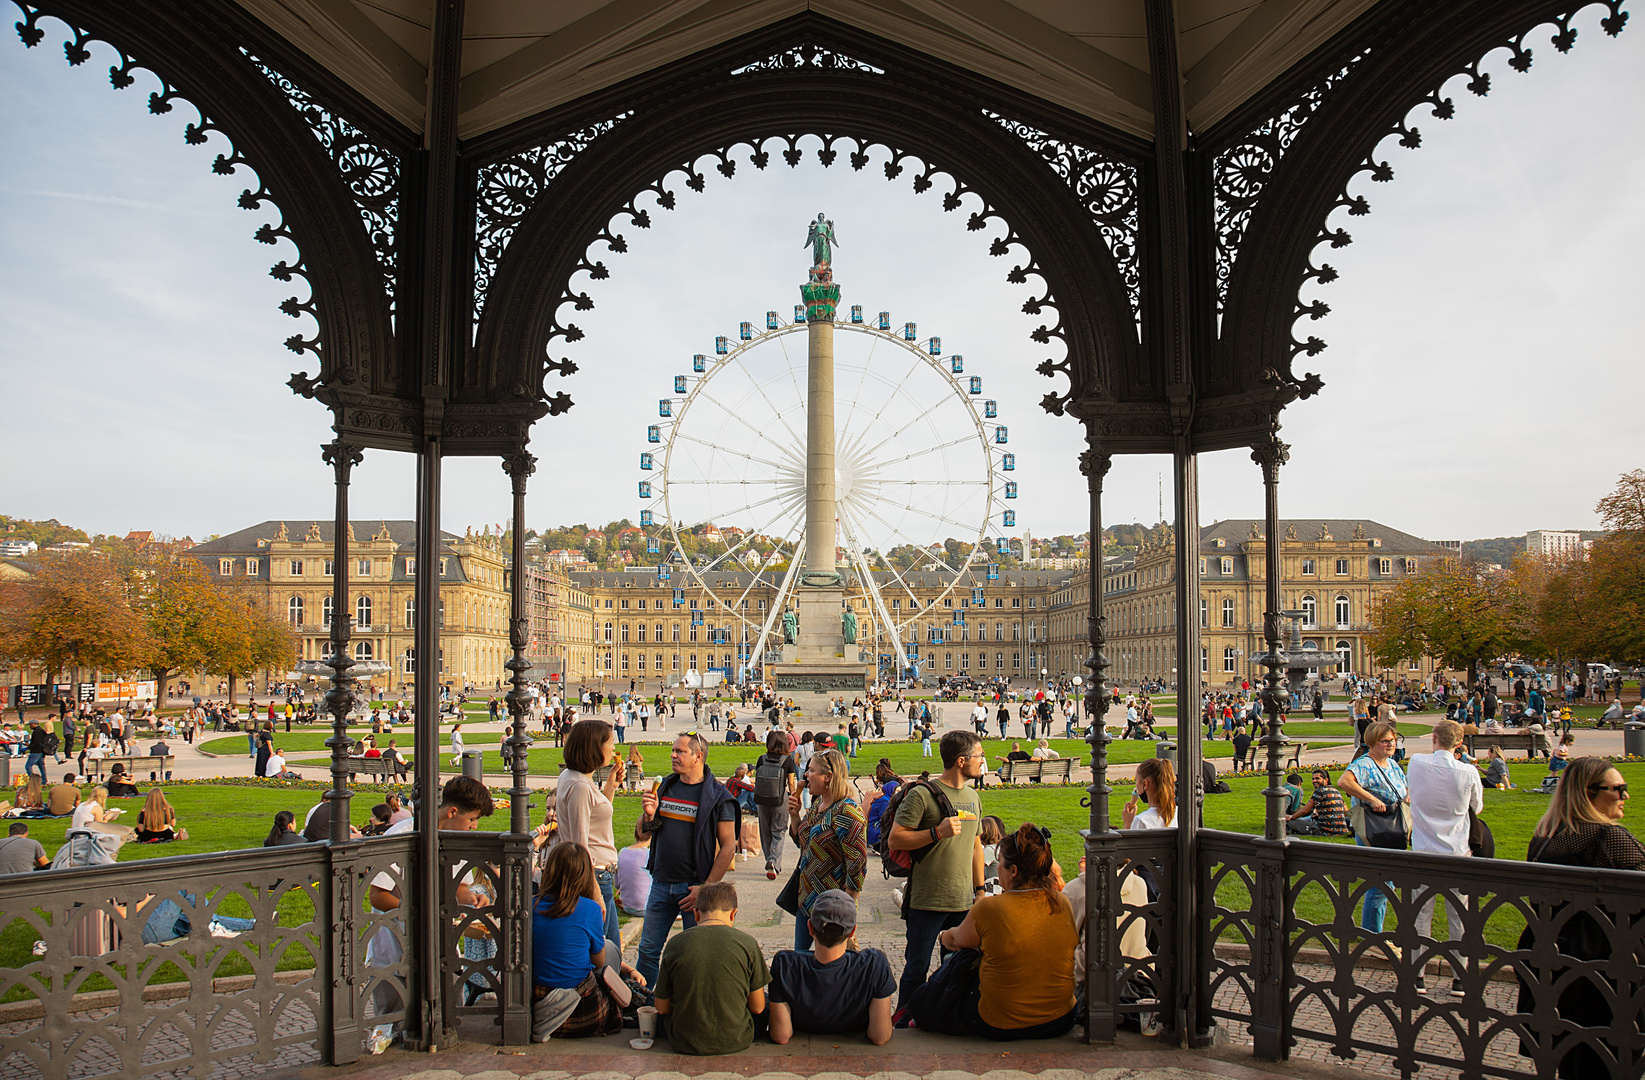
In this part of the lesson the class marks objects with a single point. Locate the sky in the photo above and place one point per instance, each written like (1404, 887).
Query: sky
(1484, 338)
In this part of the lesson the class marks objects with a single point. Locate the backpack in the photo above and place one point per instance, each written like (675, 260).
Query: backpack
(83, 847)
(901, 863)
(769, 788)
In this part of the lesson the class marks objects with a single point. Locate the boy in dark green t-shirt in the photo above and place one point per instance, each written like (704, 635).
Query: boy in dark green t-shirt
(711, 983)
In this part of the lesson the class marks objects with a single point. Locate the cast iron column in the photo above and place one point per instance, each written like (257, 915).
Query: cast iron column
(439, 326)
(519, 467)
(342, 457)
(1269, 1029)
(1101, 885)
(514, 950)
(1190, 780)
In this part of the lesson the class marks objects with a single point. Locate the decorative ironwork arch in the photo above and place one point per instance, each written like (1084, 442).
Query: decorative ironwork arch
(336, 186)
(1391, 64)
(1011, 173)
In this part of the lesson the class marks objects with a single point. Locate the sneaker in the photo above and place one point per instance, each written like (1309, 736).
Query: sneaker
(1456, 986)
(39, 948)
(1422, 986)
(770, 874)
(1150, 1024)
(899, 1019)
(219, 930)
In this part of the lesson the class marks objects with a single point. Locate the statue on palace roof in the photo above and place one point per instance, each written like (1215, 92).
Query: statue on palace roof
(313, 531)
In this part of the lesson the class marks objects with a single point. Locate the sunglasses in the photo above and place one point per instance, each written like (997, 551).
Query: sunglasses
(1620, 789)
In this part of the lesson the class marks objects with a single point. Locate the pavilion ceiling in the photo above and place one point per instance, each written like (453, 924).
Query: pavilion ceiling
(1089, 56)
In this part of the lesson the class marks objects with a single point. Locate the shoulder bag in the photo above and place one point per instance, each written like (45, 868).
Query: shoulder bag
(1389, 828)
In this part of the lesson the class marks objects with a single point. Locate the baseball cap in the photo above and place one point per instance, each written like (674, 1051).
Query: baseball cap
(835, 908)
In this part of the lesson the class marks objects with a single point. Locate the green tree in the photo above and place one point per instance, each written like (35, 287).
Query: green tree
(178, 603)
(1451, 611)
(243, 640)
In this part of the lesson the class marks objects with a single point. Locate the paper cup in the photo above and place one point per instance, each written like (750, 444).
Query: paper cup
(640, 1044)
(647, 1015)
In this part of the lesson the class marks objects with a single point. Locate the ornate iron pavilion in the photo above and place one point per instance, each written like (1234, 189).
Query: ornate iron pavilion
(1161, 177)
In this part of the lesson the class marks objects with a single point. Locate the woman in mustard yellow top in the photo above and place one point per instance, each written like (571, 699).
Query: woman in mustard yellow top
(1027, 938)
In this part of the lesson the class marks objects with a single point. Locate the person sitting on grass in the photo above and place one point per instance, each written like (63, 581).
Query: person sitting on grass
(157, 821)
(1322, 815)
(712, 979)
(120, 785)
(1496, 768)
(831, 990)
(284, 831)
(276, 767)
(1562, 753)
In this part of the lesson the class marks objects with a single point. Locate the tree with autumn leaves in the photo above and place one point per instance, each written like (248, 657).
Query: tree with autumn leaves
(128, 611)
(1586, 607)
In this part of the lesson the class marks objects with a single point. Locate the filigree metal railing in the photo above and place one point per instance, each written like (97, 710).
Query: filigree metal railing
(488, 943)
(198, 962)
(1288, 964)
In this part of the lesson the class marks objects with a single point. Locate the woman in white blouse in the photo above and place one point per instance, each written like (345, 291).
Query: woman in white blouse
(583, 807)
(1156, 786)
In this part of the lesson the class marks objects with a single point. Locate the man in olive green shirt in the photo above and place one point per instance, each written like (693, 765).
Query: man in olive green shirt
(712, 978)
(948, 872)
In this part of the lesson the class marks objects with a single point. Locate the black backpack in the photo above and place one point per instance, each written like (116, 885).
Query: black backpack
(901, 863)
(770, 788)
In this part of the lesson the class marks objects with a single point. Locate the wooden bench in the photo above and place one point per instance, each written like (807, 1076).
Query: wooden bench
(1059, 769)
(158, 763)
(1534, 743)
(1294, 760)
(381, 768)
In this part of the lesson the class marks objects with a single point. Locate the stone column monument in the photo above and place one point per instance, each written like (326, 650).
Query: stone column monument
(818, 664)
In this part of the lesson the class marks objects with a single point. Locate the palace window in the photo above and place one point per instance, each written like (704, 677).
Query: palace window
(325, 612)
(1016, 660)
(948, 661)
(411, 566)
(363, 567)
(328, 568)
(608, 634)
(1227, 613)
(297, 568)
(965, 661)
(1310, 611)
(362, 650)
(1202, 567)
(1410, 566)
(1204, 660)
(294, 610)
(1227, 566)
(408, 662)
(225, 567)
(1204, 612)
(1228, 659)
(251, 567)
(641, 658)
(1342, 613)
(1385, 567)
(362, 612)
(1342, 568)
(642, 631)
(411, 612)
(1307, 566)
(676, 636)
(658, 631)
(623, 631)
(442, 568)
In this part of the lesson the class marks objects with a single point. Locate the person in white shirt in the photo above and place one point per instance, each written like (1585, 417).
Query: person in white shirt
(1443, 790)
(1156, 786)
(1043, 752)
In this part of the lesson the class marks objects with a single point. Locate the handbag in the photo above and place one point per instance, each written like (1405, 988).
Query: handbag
(935, 1005)
(789, 898)
(1388, 828)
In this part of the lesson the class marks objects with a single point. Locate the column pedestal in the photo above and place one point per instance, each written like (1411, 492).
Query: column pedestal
(819, 666)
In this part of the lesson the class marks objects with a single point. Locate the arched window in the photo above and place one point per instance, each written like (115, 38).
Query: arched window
(362, 650)
(325, 612)
(1345, 649)
(1342, 613)
(294, 610)
(1312, 645)
(362, 613)
(1228, 615)
(1310, 611)
(608, 638)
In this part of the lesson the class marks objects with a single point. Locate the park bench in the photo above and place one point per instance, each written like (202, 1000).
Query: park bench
(156, 763)
(380, 768)
(1294, 760)
(1533, 743)
(1059, 769)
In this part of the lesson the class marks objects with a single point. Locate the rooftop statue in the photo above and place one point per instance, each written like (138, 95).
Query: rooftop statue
(820, 237)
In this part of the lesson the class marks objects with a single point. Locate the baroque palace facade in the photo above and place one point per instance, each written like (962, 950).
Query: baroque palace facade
(629, 626)
(1334, 571)
(288, 566)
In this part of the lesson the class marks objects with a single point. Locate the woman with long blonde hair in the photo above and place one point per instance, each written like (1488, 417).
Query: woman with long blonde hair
(157, 821)
(1157, 787)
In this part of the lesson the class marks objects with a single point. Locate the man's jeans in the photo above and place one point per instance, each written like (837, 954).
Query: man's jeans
(662, 907)
(923, 928)
(36, 761)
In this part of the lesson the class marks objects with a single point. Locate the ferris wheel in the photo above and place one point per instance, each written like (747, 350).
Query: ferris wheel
(922, 476)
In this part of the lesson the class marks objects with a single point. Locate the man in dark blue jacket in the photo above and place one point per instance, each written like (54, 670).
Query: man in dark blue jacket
(693, 822)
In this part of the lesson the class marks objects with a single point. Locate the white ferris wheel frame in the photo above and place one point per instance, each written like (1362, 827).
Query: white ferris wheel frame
(859, 560)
